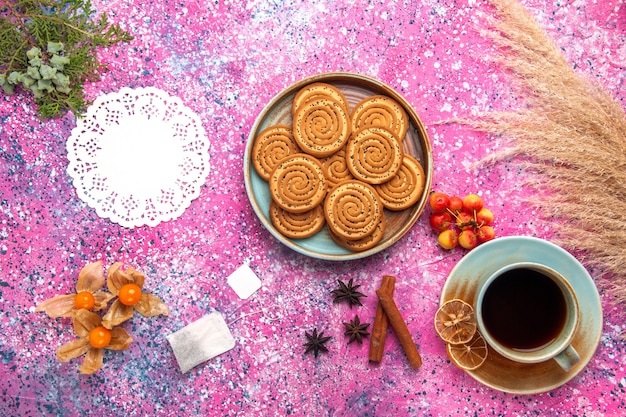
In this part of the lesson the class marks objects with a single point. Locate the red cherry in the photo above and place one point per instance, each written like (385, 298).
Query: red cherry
(456, 204)
(484, 217)
(439, 202)
(468, 239)
(440, 221)
(472, 203)
(448, 239)
(485, 233)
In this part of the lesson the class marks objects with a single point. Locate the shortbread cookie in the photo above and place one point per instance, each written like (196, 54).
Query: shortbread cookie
(297, 225)
(365, 243)
(317, 91)
(353, 209)
(271, 146)
(336, 168)
(374, 155)
(380, 111)
(321, 127)
(405, 188)
(297, 184)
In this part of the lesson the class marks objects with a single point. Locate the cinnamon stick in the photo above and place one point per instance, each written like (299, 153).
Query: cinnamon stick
(381, 323)
(400, 328)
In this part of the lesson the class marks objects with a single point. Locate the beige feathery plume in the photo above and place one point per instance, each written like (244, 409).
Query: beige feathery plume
(572, 134)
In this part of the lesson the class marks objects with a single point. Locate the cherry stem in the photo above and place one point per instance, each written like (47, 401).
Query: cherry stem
(453, 213)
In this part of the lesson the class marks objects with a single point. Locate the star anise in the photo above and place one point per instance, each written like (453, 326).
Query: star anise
(348, 292)
(316, 342)
(356, 330)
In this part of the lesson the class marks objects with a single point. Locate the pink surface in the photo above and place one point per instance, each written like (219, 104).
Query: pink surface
(226, 60)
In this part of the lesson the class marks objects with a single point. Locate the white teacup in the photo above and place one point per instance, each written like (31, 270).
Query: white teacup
(528, 313)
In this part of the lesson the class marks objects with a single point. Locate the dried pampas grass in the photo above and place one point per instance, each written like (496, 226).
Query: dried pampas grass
(573, 135)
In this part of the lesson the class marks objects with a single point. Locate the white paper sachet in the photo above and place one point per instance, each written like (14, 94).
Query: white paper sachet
(201, 340)
(244, 281)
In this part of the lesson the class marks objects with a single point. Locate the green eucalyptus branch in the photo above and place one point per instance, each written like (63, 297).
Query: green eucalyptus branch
(50, 49)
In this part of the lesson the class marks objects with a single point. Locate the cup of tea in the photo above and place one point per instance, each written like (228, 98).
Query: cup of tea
(528, 313)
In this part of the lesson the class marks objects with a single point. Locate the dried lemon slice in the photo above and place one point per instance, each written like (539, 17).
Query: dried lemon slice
(455, 322)
(469, 356)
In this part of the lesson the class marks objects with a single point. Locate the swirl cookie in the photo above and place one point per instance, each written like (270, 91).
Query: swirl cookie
(353, 210)
(365, 243)
(317, 91)
(297, 184)
(321, 127)
(335, 168)
(374, 155)
(297, 225)
(271, 146)
(405, 188)
(380, 111)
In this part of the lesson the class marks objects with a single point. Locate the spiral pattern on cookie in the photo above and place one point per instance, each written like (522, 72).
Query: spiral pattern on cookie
(321, 127)
(380, 111)
(336, 168)
(405, 188)
(318, 91)
(374, 155)
(271, 146)
(297, 184)
(297, 225)
(353, 209)
(365, 243)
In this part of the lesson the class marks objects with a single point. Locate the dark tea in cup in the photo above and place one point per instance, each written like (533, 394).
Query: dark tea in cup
(528, 313)
(524, 309)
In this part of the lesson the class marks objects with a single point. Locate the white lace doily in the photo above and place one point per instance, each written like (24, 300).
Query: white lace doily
(138, 156)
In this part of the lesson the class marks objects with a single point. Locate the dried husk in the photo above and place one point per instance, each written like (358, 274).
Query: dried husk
(92, 362)
(118, 313)
(73, 349)
(117, 278)
(150, 305)
(84, 321)
(58, 306)
(90, 278)
(571, 135)
(120, 339)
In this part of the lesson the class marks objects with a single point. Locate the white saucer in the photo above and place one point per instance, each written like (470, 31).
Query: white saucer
(501, 373)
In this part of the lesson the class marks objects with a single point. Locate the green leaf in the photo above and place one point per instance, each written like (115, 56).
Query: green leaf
(60, 37)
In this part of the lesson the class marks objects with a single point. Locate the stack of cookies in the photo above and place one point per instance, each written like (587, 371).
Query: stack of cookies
(338, 167)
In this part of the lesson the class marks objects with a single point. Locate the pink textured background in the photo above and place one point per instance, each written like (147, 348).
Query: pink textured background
(226, 60)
